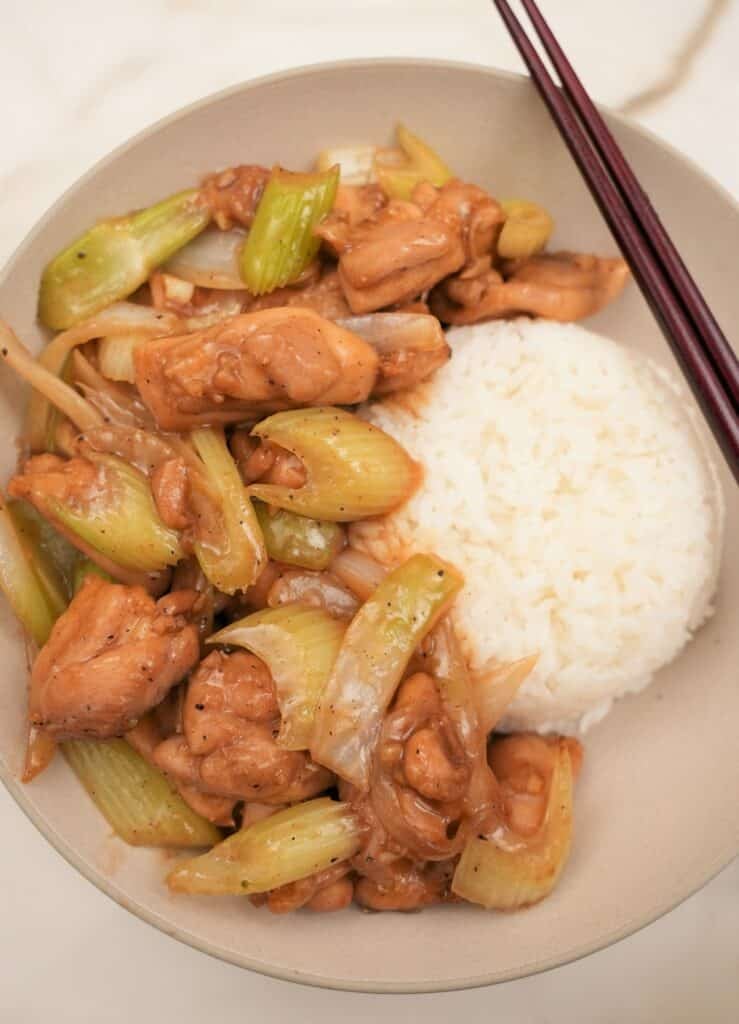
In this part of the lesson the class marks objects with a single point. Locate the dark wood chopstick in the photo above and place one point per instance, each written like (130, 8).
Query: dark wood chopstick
(640, 205)
(685, 340)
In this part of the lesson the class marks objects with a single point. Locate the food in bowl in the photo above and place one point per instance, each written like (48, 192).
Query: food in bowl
(221, 667)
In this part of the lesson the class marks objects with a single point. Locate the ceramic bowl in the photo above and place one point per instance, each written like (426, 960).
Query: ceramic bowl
(656, 811)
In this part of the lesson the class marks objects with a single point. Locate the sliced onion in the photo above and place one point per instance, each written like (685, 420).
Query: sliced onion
(358, 571)
(411, 346)
(211, 260)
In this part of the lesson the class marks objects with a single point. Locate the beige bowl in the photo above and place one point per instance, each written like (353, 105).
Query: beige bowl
(656, 812)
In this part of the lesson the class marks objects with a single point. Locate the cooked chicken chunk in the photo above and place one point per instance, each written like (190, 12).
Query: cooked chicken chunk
(559, 286)
(402, 249)
(251, 365)
(231, 720)
(233, 195)
(322, 293)
(112, 656)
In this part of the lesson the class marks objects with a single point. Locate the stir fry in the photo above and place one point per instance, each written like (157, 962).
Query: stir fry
(220, 668)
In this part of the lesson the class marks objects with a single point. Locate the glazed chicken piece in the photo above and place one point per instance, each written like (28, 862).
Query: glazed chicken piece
(404, 248)
(324, 891)
(111, 657)
(251, 365)
(228, 748)
(558, 286)
(322, 293)
(354, 204)
(233, 195)
(265, 461)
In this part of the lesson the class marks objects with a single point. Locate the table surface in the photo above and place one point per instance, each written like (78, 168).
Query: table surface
(81, 78)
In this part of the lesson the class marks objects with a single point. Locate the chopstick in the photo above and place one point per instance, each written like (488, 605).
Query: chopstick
(700, 348)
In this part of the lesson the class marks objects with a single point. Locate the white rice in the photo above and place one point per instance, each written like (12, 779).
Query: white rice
(564, 478)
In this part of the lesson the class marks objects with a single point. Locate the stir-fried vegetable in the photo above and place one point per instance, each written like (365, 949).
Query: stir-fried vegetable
(21, 584)
(281, 243)
(118, 518)
(299, 646)
(360, 572)
(51, 555)
(297, 540)
(54, 390)
(496, 688)
(527, 229)
(374, 655)
(115, 257)
(125, 319)
(503, 873)
(115, 357)
(231, 549)
(354, 470)
(135, 798)
(356, 163)
(211, 260)
(397, 177)
(282, 848)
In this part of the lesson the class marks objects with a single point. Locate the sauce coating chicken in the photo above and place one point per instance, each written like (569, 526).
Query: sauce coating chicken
(228, 746)
(111, 657)
(233, 195)
(559, 286)
(251, 365)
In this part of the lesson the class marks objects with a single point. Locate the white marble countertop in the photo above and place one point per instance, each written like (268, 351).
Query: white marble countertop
(78, 79)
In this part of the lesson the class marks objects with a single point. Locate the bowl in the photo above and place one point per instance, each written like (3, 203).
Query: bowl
(656, 814)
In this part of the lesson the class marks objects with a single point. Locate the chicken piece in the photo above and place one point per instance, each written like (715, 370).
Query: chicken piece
(111, 657)
(145, 737)
(251, 365)
(170, 488)
(353, 205)
(332, 885)
(399, 254)
(482, 217)
(558, 286)
(265, 461)
(233, 195)
(231, 720)
(412, 887)
(404, 248)
(323, 294)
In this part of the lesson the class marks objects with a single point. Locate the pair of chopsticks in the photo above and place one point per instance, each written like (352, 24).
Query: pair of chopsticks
(698, 343)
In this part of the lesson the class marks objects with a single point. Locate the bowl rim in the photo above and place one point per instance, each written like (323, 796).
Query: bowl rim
(104, 884)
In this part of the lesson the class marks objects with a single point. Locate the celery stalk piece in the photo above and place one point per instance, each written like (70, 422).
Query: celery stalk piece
(21, 585)
(297, 540)
(51, 554)
(399, 178)
(135, 798)
(230, 551)
(422, 157)
(376, 650)
(119, 520)
(527, 229)
(281, 243)
(299, 646)
(354, 469)
(85, 567)
(518, 873)
(114, 257)
(285, 847)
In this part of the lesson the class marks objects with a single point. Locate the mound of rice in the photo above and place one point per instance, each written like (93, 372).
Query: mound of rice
(563, 477)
